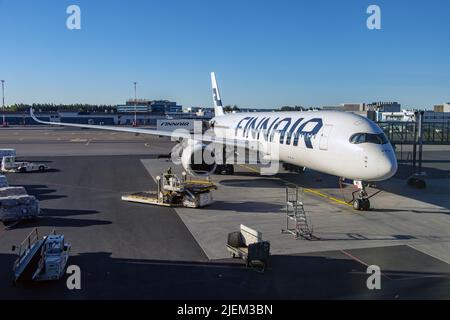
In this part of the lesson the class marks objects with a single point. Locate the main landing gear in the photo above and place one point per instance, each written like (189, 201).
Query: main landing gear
(293, 168)
(225, 169)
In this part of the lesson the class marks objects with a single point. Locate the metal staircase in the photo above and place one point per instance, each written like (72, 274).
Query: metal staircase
(297, 222)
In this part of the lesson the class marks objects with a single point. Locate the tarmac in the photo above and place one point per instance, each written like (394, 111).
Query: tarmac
(136, 251)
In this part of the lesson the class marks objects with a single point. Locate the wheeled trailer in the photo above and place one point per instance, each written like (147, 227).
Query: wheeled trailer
(248, 245)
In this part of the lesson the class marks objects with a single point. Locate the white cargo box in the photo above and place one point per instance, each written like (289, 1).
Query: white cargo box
(22, 208)
(12, 191)
(16, 205)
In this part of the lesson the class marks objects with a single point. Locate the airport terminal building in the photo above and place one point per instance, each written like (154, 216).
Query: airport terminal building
(146, 112)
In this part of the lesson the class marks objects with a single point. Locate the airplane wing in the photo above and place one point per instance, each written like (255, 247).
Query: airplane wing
(110, 128)
(175, 134)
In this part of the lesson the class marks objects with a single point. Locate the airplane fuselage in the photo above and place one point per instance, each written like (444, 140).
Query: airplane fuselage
(338, 143)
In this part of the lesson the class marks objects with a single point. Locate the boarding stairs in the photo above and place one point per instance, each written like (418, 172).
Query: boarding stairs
(29, 256)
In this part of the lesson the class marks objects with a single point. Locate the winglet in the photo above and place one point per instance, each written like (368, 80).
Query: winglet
(218, 107)
(32, 115)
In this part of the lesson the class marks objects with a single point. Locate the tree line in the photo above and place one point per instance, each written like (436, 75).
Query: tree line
(78, 107)
(51, 107)
(283, 108)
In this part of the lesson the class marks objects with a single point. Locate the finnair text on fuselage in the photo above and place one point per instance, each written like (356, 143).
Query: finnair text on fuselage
(289, 129)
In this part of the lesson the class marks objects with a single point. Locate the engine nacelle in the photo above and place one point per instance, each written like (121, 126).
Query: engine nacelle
(198, 159)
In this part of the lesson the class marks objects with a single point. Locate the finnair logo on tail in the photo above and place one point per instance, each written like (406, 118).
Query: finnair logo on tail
(216, 100)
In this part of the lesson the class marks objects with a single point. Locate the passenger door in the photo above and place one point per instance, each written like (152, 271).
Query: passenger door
(323, 143)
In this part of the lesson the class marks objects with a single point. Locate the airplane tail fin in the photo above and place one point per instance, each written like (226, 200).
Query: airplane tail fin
(218, 108)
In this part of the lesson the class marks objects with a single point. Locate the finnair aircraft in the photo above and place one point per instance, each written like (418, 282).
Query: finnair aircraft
(333, 142)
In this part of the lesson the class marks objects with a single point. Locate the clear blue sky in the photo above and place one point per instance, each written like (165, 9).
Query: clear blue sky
(265, 53)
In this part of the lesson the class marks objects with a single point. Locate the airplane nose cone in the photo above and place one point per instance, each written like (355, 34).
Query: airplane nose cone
(387, 166)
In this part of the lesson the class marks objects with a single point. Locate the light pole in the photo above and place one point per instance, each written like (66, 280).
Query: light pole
(3, 102)
(135, 102)
(3, 94)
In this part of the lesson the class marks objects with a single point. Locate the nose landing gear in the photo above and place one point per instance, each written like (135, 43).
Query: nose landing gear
(362, 202)
(360, 197)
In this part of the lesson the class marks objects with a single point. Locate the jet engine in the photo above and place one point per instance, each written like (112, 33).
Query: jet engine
(198, 159)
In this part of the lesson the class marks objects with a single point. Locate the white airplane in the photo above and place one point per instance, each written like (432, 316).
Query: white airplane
(333, 142)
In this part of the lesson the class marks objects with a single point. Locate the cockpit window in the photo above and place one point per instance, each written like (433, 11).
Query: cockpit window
(376, 138)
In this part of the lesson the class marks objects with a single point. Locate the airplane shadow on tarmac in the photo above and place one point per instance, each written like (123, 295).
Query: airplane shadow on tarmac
(438, 187)
(405, 170)
(287, 277)
(247, 207)
(252, 183)
(307, 179)
(397, 185)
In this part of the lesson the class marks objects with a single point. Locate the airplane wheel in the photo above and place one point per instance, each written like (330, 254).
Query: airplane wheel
(41, 168)
(366, 205)
(357, 204)
(361, 204)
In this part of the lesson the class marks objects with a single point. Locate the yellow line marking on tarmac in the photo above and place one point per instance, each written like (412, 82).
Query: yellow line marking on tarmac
(308, 190)
(249, 168)
(327, 197)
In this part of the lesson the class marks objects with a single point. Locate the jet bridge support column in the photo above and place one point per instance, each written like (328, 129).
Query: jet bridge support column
(417, 179)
